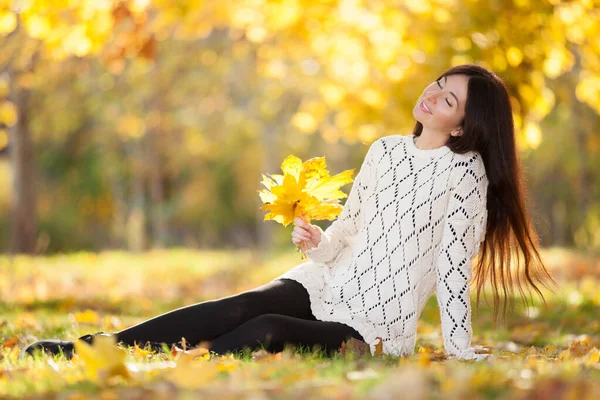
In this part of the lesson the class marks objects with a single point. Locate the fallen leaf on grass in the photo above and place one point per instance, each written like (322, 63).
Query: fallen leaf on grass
(379, 347)
(428, 354)
(354, 347)
(199, 352)
(550, 351)
(532, 351)
(593, 358)
(102, 360)
(264, 356)
(142, 353)
(10, 343)
(191, 374)
(579, 348)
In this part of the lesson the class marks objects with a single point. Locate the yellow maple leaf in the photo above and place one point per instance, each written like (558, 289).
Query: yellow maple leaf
(140, 352)
(323, 210)
(593, 357)
(292, 165)
(320, 184)
(315, 167)
(191, 373)
(289, 201)
(103, 359)
(304, 190)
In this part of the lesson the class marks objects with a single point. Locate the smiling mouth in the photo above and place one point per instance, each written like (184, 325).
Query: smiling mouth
(424, 107)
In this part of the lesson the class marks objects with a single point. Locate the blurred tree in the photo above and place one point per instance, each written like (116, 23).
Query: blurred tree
(156, 118)
(21, 59)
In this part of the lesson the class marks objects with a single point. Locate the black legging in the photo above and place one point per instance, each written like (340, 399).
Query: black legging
(270, 315)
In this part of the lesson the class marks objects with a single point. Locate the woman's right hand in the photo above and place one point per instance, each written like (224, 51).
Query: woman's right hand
(305, 235)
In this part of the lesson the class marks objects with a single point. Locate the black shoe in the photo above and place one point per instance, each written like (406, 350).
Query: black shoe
(53, 346)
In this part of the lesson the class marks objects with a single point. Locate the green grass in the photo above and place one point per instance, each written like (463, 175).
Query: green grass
(66, 296)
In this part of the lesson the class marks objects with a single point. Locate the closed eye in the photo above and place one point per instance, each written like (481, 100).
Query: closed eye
(438, 82)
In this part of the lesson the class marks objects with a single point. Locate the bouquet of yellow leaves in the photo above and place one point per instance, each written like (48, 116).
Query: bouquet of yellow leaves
(304, 190)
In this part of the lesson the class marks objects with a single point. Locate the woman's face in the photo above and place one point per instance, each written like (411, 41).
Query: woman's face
(441, 106)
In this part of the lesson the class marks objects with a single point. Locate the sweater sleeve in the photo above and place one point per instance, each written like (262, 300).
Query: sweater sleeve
(349, 222)
(464, 230)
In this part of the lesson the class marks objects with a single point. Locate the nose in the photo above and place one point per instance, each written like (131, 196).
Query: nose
(432, 95)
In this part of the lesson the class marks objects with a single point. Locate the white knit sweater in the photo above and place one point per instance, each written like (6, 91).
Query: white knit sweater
(411, 225)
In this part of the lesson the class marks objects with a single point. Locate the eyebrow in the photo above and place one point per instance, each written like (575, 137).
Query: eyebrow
(452, 93)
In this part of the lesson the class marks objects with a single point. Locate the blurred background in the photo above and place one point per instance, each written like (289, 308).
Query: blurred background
(146, 124)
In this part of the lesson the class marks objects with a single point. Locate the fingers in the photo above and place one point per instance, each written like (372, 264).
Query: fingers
(303, 226)
(300, 236)
(299, 222)
(303, 232)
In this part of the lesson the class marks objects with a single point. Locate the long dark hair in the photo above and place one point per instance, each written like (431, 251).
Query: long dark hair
(488, 128)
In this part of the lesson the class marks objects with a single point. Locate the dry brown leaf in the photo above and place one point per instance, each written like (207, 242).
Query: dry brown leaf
(532, 351)
(264, 356)
(10, 343)
(579, 349)
(379, 347)
(355, 347)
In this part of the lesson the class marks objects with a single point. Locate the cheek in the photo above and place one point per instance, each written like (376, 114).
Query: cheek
(447, 118)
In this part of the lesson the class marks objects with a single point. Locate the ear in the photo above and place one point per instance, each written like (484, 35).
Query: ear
(457, 131)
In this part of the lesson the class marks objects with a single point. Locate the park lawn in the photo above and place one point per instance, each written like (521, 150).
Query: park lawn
(541, 352)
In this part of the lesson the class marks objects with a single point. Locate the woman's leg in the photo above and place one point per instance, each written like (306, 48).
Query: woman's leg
(272, 331)
(210, 319)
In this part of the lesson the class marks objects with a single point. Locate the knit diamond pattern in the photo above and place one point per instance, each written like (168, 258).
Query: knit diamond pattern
(410, 227)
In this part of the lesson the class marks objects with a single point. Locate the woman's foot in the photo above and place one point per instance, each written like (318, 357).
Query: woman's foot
(53, 346)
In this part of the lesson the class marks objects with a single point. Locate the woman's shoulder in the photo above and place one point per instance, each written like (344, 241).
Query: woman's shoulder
(470, 163)
(392, 138)
(386, 142)
(470, 160)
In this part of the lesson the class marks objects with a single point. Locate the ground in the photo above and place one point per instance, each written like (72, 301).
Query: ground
(543, 351)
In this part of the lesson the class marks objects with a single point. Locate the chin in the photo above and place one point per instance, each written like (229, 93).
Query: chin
(416, 115)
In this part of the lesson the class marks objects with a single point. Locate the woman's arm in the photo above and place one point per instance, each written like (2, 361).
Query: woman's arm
(349, 221)
(464, 230)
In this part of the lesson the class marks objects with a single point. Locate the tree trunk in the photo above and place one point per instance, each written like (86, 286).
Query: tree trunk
(24, 224)
(154, 148)
(136, 221)
(157, 193)
(581, 132)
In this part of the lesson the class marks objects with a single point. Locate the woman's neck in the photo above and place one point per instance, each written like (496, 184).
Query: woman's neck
(429, 140)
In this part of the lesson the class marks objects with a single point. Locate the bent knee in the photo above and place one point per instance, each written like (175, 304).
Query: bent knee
(268, 326)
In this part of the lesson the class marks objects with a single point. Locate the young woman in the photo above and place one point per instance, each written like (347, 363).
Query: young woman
(421, 208)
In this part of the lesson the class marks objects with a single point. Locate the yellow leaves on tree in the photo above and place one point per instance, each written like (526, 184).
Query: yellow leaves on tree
(304, 190)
